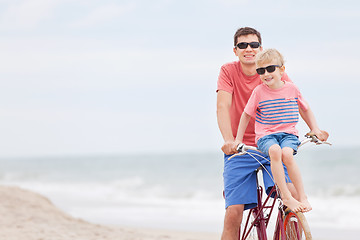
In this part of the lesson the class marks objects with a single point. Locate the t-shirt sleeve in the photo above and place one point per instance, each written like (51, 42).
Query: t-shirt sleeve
(301, 101)
(252, 104)
(224, 81)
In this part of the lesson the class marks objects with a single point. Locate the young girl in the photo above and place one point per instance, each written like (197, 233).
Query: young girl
(275, 105)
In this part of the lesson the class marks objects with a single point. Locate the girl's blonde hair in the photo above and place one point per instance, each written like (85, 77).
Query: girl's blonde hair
(268, 55)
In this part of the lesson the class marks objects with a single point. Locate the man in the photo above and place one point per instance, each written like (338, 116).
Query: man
(236, 82)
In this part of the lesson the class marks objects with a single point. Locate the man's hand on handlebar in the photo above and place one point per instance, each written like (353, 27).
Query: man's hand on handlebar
(229, 147)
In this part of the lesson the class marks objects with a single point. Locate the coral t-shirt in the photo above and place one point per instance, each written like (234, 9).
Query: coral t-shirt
(233, 80)
(275, 110)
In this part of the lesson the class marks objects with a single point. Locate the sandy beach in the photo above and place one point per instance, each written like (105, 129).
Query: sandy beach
(26, 215)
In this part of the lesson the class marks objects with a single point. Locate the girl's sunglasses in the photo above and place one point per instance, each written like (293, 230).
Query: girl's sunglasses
(243, 45)
(269, 69)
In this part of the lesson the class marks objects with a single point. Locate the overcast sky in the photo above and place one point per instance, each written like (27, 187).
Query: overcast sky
(82, 77)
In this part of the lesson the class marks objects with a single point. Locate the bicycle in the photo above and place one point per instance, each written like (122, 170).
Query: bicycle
(289, 225)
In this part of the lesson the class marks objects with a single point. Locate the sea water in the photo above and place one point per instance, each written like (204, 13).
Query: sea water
(180, 191)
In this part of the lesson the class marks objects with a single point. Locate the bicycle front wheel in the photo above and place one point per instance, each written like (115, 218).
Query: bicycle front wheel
(296, 226)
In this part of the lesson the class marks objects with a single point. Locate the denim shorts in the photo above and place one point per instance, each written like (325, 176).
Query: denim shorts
(240, 178)
(282, 139)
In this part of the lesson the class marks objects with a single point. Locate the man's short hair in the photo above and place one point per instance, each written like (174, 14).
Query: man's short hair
(268, 55)
(246, 31)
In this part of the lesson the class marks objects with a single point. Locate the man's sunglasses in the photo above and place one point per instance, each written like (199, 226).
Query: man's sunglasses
(269, 69)
(243, 45)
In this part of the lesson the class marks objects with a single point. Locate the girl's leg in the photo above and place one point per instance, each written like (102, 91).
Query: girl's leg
(277, 169)
(295, 176)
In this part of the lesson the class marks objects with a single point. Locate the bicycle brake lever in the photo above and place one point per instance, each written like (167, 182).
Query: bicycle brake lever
(240, 147)
(315, 140)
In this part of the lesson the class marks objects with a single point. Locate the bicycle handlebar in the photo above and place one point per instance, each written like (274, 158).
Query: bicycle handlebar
(310, 137)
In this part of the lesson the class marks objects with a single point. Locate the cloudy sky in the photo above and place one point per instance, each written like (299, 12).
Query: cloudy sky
(81, 77)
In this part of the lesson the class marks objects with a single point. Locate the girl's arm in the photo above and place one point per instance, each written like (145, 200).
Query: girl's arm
(244, 121)
(309, 118)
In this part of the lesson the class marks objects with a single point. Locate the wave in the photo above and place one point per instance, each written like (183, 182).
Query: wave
(338, 191)
(155, 187)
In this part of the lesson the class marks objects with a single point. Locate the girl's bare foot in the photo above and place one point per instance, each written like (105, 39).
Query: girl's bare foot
(293, 204)
(305, 203)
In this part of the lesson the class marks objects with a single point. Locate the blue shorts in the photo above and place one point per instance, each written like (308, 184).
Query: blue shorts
(240, 178)
(282, 139)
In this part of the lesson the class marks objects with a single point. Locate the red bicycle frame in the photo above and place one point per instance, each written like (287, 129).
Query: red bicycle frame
(261, 220)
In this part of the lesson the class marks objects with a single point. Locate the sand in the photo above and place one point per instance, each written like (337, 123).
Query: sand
(25, 215)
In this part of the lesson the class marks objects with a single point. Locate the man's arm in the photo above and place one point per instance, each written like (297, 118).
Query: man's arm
(244, 122)
(224, 100)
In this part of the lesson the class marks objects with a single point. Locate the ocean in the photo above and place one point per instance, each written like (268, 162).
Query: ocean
(179, 191)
